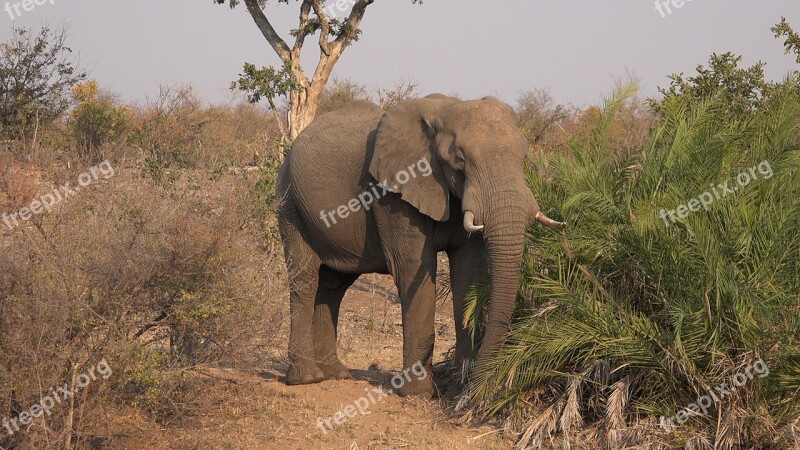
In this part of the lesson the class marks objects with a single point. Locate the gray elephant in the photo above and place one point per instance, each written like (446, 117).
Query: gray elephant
(363, 191)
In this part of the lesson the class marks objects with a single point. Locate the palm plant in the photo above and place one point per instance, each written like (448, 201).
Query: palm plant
(625, 318)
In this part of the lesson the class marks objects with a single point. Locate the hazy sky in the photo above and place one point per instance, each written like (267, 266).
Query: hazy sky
(573, 47)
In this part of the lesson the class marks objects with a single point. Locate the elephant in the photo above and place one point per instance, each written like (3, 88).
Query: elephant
(363, 190)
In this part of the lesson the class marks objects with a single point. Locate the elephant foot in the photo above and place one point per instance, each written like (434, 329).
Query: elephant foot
(336, 371)
(304, 373)
(418, 388)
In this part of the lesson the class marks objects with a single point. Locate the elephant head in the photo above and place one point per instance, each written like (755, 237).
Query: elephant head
(477, 154)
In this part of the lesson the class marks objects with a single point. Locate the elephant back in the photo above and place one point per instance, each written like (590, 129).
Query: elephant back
(327, 161)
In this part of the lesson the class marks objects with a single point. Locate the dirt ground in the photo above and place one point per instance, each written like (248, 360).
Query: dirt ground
(256, 410)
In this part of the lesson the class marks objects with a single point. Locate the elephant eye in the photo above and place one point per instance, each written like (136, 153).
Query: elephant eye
(460, 156)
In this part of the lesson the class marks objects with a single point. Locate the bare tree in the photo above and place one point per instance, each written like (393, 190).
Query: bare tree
(304, 91)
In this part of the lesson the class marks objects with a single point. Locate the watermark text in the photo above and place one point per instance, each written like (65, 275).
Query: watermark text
(16, 9)
(366, 198)
(704, 403)
(56, 396)
(717, 192)
(47, 201)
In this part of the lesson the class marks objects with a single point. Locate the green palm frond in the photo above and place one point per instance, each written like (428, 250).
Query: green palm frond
(670, 310)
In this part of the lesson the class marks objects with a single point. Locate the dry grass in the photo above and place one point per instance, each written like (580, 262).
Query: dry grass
(157, 279)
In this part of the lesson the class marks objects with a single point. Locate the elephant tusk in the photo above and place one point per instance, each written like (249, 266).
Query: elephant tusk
(548, 222)
(469, 223)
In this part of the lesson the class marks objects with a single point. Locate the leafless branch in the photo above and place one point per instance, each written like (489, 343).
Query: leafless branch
(263, 24)
(305, 10)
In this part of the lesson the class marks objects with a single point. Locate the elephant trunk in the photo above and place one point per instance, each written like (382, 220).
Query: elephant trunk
(506, 222)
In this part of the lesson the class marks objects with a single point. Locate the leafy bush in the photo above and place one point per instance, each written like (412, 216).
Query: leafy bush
(625, 316)
(792, 42)
(36, 75)
(743, 89)
(97, 119)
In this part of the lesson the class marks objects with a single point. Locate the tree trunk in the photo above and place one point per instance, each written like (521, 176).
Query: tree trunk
(304, 100)
(304, 104)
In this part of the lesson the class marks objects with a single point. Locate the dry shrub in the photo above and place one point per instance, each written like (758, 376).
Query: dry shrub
(240, 134)
(538, 114)
(632, 125)
(153, 281)
(177, 130)
(18, 181)
(403, 90)
(168, 126)
(340, 92)
(98, 118)
(630, 129)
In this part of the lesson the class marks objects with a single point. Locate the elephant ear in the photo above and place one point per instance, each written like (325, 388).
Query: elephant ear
(406, 136)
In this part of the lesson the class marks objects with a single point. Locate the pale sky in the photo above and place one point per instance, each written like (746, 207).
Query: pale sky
(575, 48)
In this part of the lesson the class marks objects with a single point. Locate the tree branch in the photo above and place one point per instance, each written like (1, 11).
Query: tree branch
(305, 10)
(278, 118)
(353, 23)
(263, 24)
(325, 29)
(333, 50)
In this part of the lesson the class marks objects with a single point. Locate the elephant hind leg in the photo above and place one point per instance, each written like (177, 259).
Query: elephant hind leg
(303, 266)
(331, 290)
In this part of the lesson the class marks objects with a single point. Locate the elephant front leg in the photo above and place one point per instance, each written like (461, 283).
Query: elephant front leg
(406, 239)
(467, 264)
(416, 285)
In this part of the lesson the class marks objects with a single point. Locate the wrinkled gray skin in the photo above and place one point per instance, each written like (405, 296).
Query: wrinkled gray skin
(476, 156)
